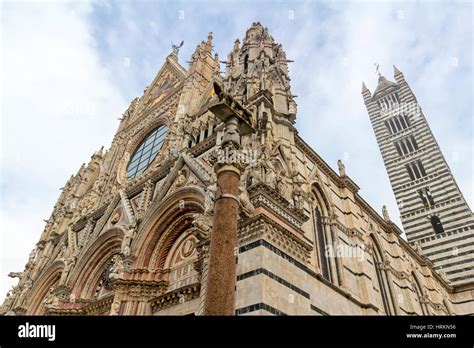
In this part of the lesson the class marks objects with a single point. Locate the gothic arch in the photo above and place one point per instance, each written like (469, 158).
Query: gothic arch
(89, 268)
(47, 280)
(164, 224)
(322, 234)
(382, 277)
(420, 292)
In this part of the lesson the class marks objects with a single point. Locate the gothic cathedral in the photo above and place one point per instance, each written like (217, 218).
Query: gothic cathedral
(131, 231)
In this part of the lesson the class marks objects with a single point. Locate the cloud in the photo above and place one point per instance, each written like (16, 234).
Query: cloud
(70, 69)
(58, 108)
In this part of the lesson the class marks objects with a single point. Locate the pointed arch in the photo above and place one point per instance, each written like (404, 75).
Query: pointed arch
(47, 280)
(91, 265)
(322, 234)
(420, 293)
(382, 277)
(164, 224)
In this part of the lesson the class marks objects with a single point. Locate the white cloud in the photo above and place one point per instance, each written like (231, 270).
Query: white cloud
(58, 108)
(59, 104)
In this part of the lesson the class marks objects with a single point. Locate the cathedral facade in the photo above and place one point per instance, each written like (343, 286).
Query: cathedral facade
(131, 231)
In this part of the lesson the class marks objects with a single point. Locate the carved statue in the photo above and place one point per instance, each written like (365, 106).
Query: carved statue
(270, 171)
(51, 299)
(176, 47)
(210, 198)
(247, 207)
(231, 133)
(202, 222)
(181, 178)
(127, 239)
(24, 290)
(385, 215)
(282, 186)
(122, 169)
(117, 269)
(68, 265)
(342, 168)
(15, 274)
(418, 249)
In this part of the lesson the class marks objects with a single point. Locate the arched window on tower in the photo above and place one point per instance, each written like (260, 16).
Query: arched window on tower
(437, 225)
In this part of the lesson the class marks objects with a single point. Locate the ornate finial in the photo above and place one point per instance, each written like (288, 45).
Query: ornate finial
(176, 48)
(209, 38)
(377, 69)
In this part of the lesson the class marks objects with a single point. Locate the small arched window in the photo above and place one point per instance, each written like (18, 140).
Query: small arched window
(246, 63)
(146, 151)
(437, 225)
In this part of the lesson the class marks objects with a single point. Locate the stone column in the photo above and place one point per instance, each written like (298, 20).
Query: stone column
(220, 291)
(220, 297)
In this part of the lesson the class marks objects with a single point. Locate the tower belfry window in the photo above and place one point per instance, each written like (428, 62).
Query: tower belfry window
(437, 225)
(415, 170)
(426, 197)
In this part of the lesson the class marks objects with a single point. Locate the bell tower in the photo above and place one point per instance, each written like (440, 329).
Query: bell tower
(435, 216)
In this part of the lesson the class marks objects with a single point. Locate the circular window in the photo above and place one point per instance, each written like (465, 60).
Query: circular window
(146, 151)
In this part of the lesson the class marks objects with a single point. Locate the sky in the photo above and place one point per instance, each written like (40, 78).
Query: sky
(70, 69)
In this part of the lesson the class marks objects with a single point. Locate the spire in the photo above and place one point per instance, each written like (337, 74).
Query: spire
(364, 87)
(396, 71)
(398, 75)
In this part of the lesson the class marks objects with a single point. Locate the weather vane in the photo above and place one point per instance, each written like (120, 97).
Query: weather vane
(377, 68)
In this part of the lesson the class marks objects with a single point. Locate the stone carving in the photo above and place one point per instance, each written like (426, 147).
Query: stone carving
(385, 215)
(181, 178)
(247, 207)
(202, 222)
(15, 274)
(51, 300)
(418, 248)
(116, 272)
(122, 169)
(210, 198)
(127, 239)
(68, 265)
(342, 168)
(25, 288)
(177, 47)
(116, 217)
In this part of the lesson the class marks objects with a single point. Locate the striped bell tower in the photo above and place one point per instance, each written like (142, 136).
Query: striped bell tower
(436, 219)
